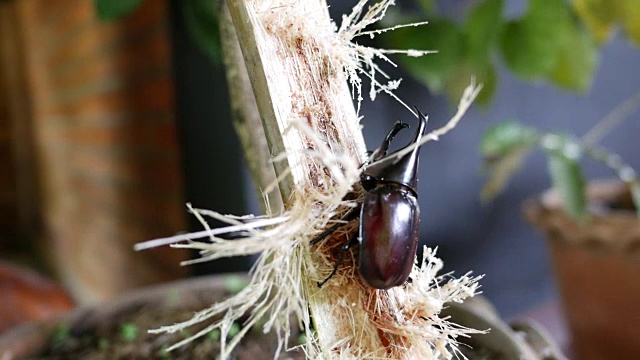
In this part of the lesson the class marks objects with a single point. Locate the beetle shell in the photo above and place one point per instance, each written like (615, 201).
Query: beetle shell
(389, 228)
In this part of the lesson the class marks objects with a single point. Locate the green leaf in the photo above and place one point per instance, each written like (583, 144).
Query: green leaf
(484, 74)
(234, 284)
(598, 15)
(525, 52)
(602, 16)
(61, 333)
(489, 80)
(577, 61)
(103, 344)
(503, 169)
(112, 10)
(202, 23)
(630, 13)
(502, 138)
(481, 30)
(214, 335)
(129, 332)
(234, 329)
(568, 181)
(429, 6)
(433, 70)
(530, 46)
(504, 147)
(163, 352)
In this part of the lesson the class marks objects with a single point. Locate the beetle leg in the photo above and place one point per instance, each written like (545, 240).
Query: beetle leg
(351, 215)
(343, 250)
(326, 233)
(384, 148)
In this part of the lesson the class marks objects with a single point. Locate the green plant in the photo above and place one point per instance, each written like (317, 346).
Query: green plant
(234, 284)
(103, 344)
(129, 332)
(505, 146)
(214, 335)
(109, 10)
(60, 335)
(163, 353)
(233, 330)
(554, 40)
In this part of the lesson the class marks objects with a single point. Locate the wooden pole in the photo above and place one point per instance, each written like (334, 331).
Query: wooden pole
(295, 79)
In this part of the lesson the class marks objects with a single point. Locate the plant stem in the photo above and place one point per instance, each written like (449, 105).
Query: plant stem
(290, 84)
(245, 115)
(295, 81)
(604, 126)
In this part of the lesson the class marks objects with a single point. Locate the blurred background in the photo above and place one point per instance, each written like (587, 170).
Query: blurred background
(112, 117)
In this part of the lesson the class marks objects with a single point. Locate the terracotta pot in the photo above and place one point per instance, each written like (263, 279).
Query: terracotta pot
(27, 296)
(598, 269)
(528, 343)
(29, 340)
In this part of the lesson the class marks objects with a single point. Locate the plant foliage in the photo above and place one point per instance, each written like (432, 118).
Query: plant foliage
(110, 10)
(505, 146)
(553, 40)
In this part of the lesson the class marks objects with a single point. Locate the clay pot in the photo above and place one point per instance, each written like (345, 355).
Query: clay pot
(527, 343)
(28, 341)
(28, 296)
(597, 265)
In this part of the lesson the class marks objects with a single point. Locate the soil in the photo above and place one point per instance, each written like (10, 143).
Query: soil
(124, 335)
(118, 329)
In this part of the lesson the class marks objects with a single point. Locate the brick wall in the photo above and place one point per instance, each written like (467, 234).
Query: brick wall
(103, 112)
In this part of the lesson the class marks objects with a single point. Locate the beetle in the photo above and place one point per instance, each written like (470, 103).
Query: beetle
(389, 214)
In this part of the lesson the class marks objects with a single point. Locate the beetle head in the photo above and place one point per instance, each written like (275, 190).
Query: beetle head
(393, 169)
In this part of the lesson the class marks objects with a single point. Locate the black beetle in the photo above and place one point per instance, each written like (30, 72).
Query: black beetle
(389, 215)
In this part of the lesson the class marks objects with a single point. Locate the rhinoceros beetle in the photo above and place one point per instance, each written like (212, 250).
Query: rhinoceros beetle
(389, 215)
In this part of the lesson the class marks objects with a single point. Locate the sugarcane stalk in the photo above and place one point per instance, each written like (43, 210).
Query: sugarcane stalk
(293, 80)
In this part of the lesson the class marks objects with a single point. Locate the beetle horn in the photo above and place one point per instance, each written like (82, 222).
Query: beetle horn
(401, 170)
(407, 165)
